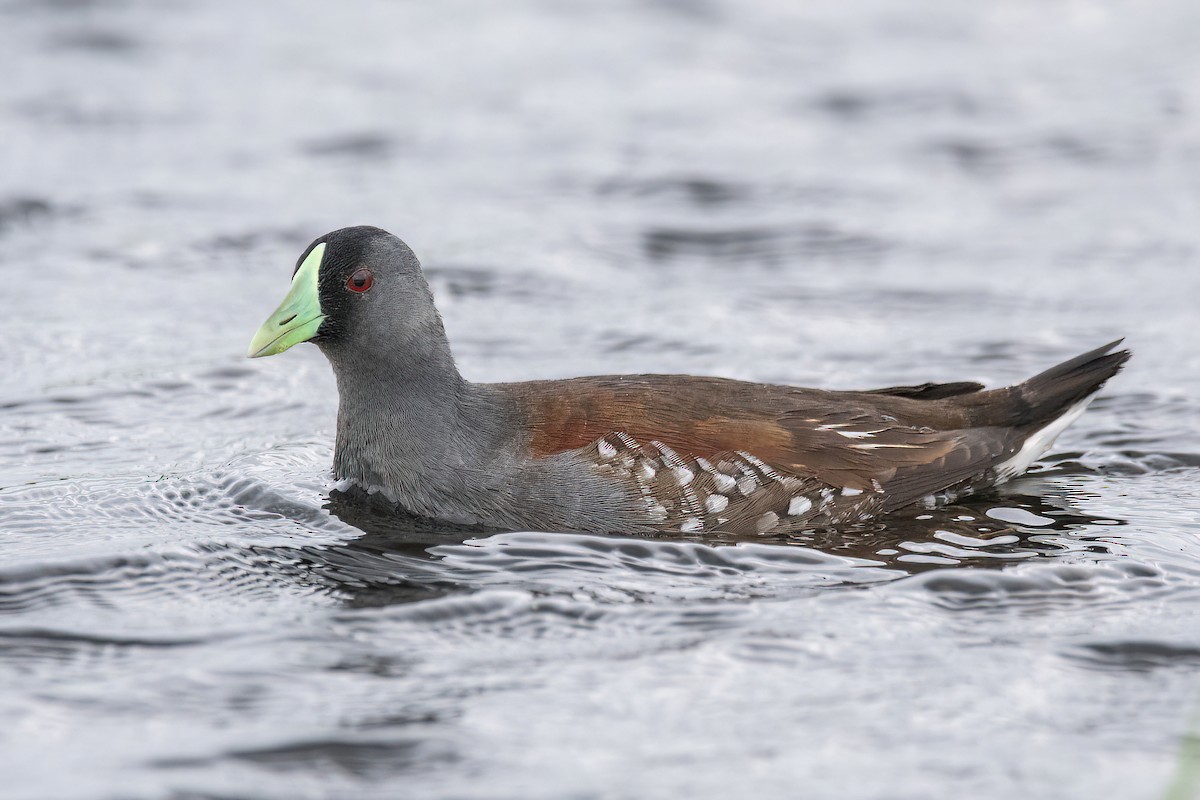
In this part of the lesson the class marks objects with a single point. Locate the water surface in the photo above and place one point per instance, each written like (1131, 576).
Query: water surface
(849, 195)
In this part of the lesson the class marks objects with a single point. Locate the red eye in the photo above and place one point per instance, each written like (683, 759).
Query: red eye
(360, 281)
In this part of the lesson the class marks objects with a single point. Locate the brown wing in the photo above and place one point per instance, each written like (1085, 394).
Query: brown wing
(847, 454)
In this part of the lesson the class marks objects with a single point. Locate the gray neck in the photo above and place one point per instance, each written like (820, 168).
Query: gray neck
(410, 425)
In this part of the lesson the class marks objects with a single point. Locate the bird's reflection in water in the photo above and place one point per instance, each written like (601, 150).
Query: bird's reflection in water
(990, 530)
(400, 558)
(388, 528)
(390, 562)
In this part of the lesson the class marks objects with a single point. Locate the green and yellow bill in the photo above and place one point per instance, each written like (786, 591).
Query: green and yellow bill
(298, 316)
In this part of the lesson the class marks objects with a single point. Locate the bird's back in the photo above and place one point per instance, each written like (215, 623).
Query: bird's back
(761, 449)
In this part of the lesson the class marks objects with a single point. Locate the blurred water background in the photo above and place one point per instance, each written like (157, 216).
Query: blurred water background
(842, 195)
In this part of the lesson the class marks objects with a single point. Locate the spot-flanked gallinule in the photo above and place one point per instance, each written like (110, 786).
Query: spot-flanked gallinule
(636, 453)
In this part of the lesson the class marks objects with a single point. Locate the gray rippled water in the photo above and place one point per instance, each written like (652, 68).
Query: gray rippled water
(840, 195)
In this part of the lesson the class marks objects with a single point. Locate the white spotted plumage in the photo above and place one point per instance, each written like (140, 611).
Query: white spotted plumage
(729, 491)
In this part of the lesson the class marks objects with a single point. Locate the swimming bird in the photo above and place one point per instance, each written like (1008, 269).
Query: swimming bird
(637, 453)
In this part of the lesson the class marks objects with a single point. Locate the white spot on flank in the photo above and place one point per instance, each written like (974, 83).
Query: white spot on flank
(758, 462)
(849, 492)
(607, 449)
(724, 482)
(715, 503)
(766, 522)
(855, 434)
(692, 524)
(747, 485)
(798, 506)
(669, 456)
(683, 475)
(647, 470)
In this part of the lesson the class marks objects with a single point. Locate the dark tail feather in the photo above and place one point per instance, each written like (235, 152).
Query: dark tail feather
(1046, 395)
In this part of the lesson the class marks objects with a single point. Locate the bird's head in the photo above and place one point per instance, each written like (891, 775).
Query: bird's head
(355, 288)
